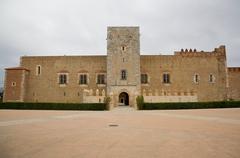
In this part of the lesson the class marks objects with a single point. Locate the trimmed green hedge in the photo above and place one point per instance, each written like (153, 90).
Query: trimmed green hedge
(140, 101)
(190, 105)
(54, 106)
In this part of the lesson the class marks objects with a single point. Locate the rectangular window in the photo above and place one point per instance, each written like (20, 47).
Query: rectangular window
(144, 78)
(123, 74)
(38, 70)
(100, 79)
(211, 78)
(166, 78)
(62, 79)
(196, 78)
(83, 79)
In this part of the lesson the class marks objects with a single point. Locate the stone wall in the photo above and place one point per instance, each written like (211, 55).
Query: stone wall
(234, 83)
(182, 67)
(90, 96)
(169, 96)
(123, 53)
(15, 85)
(45, 87)
(164, 99)
(38, 77)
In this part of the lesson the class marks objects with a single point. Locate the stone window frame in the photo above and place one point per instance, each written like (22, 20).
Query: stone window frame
(14, 84)
(123, 74)
(211, 78)
(87, 80)
(196, 78)
(148, 79)
(38, 70)
(67, 79)
(123, 48)
(105, 80)
(168, 80)
(124, 59)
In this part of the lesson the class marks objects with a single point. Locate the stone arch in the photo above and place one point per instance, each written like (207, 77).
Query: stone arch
(123, 98)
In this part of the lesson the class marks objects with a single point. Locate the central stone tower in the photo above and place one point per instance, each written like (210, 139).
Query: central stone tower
(123, 65)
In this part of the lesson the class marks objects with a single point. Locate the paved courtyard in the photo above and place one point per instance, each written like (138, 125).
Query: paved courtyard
(122, 132)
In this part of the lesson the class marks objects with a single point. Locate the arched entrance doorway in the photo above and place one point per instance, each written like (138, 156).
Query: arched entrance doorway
(123, 98)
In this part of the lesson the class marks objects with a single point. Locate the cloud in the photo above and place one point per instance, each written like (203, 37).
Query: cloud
(71, 27)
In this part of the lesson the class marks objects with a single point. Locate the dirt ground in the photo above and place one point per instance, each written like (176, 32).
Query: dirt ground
(122, 132)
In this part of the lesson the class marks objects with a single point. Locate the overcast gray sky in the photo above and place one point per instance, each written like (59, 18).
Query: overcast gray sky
(78, 27)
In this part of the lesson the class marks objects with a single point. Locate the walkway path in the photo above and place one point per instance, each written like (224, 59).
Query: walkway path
(122, 132)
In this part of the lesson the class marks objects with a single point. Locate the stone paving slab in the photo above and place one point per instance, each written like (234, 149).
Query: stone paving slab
(123, 132)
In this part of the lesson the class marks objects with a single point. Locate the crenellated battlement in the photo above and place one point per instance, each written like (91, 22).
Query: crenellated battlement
(220, 52)
(233, 69)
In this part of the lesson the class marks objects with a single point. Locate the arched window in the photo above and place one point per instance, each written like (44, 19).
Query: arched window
(14, 84)
(123, 74)
(123, 48)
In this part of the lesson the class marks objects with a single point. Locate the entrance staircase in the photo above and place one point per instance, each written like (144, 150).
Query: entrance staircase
(123, 109)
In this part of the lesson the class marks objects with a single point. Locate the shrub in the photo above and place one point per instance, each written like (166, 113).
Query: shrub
(107, 101)
(140, 102)
(53, 106)
(191, 105)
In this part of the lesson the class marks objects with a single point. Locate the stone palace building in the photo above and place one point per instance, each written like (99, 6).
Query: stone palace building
(187, 76)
